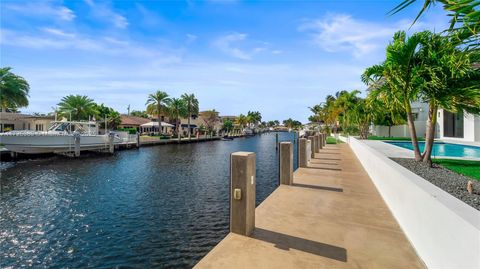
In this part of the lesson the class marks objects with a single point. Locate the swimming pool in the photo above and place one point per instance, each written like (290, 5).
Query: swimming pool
(443, 149)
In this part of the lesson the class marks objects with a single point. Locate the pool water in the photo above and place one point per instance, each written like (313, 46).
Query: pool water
(443, 149)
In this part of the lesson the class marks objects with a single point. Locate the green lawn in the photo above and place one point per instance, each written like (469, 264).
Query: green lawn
(464, 167)
(332, 140)
(393, 138)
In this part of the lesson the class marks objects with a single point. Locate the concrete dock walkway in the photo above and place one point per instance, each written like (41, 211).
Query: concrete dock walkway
(332, 217)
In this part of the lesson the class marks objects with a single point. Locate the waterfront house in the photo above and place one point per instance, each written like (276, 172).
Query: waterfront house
(152, 127)
(10, 121)
(132, 122)
(458, 126)
(420, 114)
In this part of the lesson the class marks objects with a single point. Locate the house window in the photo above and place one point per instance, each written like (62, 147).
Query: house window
(28, 126)
(453, 124)
(8, 127)
(23, 126)
(38, 127)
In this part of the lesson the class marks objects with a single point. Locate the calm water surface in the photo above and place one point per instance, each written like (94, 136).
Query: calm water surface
(163, 206)
(444, 149)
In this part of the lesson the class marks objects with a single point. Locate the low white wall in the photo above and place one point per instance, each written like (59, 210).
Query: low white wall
(444, 231)
(400, 130)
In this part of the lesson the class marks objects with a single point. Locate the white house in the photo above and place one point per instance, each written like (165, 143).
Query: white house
(458, 126)
(420, 114)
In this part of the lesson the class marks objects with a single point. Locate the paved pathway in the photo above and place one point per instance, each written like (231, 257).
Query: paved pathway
(332, 217)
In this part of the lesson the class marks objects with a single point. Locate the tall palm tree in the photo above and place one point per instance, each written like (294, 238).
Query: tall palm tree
(177, 109)
(13, 90)
(400, 75)
(241, 120)
(346, 102)
(156, 104)
(77, 107)
(448, 80)
(192, 108)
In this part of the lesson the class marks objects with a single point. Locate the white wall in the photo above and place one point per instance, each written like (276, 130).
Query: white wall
(400, 130)
(444, 231)
(477, 129)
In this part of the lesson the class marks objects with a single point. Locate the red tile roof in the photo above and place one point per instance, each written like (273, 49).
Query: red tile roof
(132, 120)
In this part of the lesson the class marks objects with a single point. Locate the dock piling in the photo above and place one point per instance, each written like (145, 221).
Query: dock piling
(286, 163)
(313, 145)
(76, 138)
(320, 140)
(242, 192)
(111, 147)
(317, 143)
(302, 152)
(276, 141)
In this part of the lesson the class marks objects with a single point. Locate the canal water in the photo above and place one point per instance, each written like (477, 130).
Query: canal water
(162, 206)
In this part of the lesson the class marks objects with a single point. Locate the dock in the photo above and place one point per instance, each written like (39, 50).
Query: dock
(332, 216)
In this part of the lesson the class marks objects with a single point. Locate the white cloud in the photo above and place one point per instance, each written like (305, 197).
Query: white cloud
(228, 44)
(339, 32)
(343, 33)
(53, 38)
(102, 11)
(42, 9)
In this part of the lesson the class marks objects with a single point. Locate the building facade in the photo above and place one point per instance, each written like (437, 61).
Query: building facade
(16, 121)
(458, 126)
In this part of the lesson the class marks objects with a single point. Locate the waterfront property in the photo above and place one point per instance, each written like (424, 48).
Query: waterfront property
(17, 121)
(461, 127)
(132, 122)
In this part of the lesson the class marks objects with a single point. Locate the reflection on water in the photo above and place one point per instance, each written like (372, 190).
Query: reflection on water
(158, 206)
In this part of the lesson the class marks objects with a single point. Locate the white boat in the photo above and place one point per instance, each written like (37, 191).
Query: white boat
(59, 138)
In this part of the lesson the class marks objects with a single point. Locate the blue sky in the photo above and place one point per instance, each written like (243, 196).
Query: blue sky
(277, 57)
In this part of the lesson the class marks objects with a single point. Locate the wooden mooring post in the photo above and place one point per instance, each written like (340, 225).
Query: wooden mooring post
(286, 163)
(302, 152)
(313, 145)
(242, 192)
(76, 139)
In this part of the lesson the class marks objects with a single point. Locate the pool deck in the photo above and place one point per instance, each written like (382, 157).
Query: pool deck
(331, 217)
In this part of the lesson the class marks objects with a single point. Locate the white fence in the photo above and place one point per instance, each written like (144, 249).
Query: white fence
(444, 231)
(399, 130)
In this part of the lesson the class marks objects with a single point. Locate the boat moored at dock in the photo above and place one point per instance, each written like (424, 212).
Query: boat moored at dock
(61, 137)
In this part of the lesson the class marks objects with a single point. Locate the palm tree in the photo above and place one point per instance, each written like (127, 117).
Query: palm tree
(241, 120)
(77, 107)
(448, 80)
(464, 22)
(346, 102)
(192, 108)
(177, 109)
(399, 75)
(13, 90)
(156, 104)
(254, 117)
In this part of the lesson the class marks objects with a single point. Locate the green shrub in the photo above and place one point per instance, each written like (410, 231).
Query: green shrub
(129, 130)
